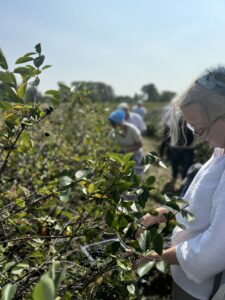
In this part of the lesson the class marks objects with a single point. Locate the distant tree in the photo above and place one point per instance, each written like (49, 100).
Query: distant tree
(151, 92)
(98, 91)
(167, 96)
(126, 99)
(138, 97)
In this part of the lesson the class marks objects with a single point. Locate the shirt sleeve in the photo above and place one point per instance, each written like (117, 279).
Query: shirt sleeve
(136, 135)
(203, 256)
(141, 125)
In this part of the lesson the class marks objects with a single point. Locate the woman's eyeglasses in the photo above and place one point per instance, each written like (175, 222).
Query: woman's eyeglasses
(202, 135)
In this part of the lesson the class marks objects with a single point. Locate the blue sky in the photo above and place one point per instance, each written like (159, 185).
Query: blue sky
(124, 43)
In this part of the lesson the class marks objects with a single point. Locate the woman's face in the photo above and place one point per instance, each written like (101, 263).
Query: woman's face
(213, 134)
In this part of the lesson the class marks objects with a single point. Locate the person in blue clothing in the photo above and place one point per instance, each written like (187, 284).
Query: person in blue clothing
(128, 138)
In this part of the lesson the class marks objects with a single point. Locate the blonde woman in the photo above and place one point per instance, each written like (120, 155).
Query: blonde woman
(197, 255)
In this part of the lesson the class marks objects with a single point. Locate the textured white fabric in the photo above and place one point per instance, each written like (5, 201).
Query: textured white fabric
(142, 111)
(137, 121)
(131, 137)
(201, 245)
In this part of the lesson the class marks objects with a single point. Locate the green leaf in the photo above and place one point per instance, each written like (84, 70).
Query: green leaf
(11, 95)
(20, 268)
(131, 230)
(91, 233)
(22, 89)
(157, 243)
(131, 289)
(23, 59)
(83, 174)
(53, 93)
(162, 266)
(116, 157)
(124, 264)
(145, 268)
(37, 254)
(91, 188)
(38, 61)
(109, 217)
(144, 240)
(35, 82)
(44, 289)
(64, 195)
(8, 291)
(150, 180)
(46, 67)
(38, 48)
(122, 222)
(6, 77)
(65, 181)
(59, 276)
(20, 202)
(3, 62)
(127, 158)
(29, 53)
(162, 164)
(188, 215)
(172, 205)
(143, 198)
(23, 71)
(6, 105)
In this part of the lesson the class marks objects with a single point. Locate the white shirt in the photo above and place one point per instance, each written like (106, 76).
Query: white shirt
(137, 121)
(140, 110)
(201, 245)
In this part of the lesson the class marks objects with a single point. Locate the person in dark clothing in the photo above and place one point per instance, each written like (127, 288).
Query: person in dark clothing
(182, 153)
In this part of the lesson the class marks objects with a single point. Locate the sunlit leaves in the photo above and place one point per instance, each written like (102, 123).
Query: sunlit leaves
(65, 181)
(145, 241)
(8, 291)
(24, 59)
(3, 62)
(46, 67)
(44, 289)
(145, 268)
(131, 289)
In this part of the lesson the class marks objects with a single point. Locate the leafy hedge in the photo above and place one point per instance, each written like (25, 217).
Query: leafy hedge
(70, 203)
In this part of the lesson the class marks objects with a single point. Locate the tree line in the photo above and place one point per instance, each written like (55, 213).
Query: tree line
(96, 92)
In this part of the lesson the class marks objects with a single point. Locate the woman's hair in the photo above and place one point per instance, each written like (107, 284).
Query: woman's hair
(208, 91)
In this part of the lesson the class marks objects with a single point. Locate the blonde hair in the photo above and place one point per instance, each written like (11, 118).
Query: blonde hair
(208, 91)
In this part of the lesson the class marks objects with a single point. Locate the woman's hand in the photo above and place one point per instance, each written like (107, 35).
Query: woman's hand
(146, 258)
(148, 220)
(169, 256)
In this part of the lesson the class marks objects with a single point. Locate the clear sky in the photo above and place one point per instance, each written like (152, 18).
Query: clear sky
(124, 43)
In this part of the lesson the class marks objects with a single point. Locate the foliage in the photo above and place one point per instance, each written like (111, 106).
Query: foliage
(151, 92)
(64, 192)
(98, 91)
(167, 96)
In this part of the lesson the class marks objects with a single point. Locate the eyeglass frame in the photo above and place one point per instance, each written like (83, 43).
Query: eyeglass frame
(205, 133)
(202, 135)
